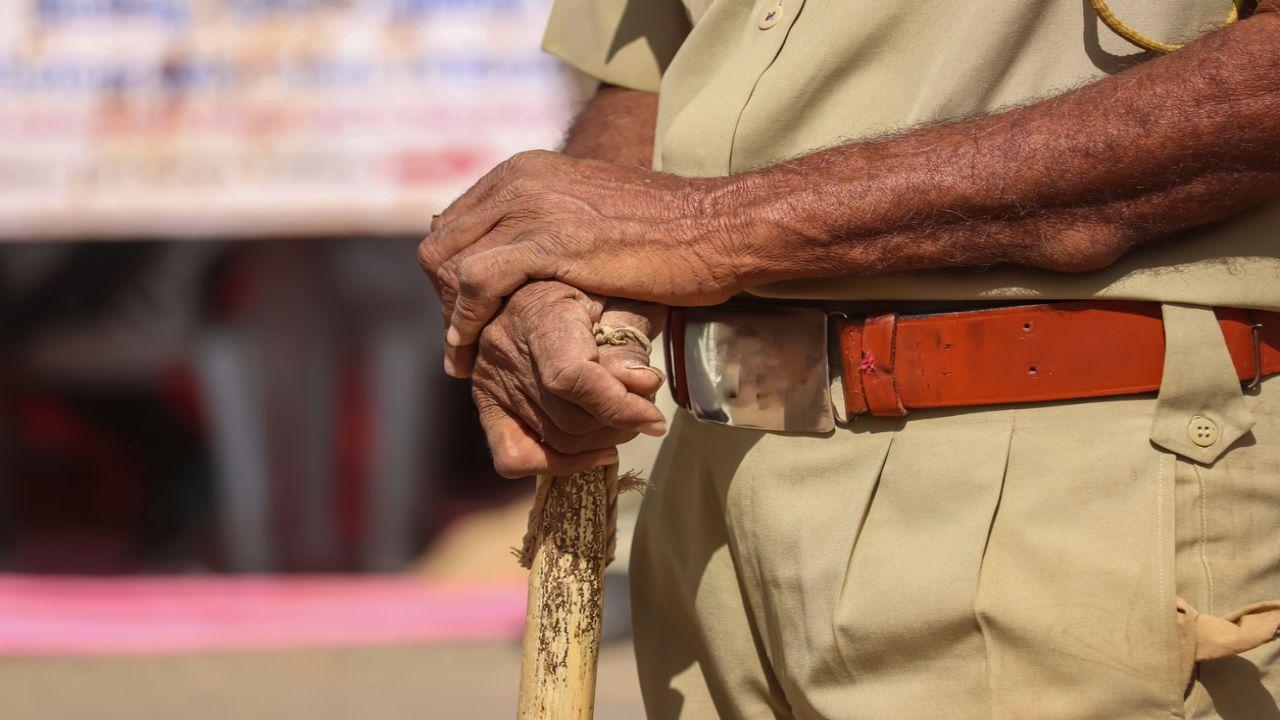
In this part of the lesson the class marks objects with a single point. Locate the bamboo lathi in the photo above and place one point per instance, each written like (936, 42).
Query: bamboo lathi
(567, 548)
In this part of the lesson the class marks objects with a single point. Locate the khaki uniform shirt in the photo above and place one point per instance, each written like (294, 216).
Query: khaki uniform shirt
(736, 95)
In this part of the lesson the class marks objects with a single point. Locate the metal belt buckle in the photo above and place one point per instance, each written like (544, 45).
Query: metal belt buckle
(758, 366)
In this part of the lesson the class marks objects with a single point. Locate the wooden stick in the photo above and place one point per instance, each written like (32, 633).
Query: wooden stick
(566, 600)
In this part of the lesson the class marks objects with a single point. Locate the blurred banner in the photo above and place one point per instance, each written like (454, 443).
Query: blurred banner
(233, 118)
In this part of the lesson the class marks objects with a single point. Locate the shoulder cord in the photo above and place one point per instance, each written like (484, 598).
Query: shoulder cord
(1110, 20)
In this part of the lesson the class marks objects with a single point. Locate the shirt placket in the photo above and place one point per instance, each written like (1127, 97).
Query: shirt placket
(770, 27)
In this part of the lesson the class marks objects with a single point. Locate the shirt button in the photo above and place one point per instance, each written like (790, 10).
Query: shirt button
(771, 15)
(1203, 431)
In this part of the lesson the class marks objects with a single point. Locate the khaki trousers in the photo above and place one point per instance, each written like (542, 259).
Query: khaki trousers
(1007, 562)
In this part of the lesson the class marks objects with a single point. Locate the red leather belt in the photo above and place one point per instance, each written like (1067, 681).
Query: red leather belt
(1061, 351)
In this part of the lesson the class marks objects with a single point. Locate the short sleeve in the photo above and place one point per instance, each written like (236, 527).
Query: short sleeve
(622, 42)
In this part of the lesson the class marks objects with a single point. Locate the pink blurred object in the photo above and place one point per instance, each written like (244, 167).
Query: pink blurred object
(80, 615)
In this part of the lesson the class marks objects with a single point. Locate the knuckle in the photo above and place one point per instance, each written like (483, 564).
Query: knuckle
(520, 186)
(508, 468)
(527, 300)
(447, 274)
(468, 311)
(493, 338)
(514, 163)
(428, 256)
(532, 157)
(471, 276)
(486, 405)
(510, 462)
(565, 379)
(541, 245)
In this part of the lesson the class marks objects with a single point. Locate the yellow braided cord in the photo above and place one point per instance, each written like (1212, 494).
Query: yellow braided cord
(1110, 20)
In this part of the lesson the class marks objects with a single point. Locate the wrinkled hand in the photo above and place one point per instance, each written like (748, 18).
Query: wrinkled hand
(550, 401)
(606, 228)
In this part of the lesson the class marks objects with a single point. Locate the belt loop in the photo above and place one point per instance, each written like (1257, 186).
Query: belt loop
(1256, 327)
(876, 367)
(849, 339)
(673, 344)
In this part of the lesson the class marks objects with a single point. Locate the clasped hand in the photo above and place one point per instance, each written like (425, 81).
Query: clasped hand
(522, 263)
(605, 228)
(550, 400)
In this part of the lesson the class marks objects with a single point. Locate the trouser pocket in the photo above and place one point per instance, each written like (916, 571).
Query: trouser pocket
(1077, 593)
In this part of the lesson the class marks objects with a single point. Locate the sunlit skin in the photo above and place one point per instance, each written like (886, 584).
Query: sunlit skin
(549, 400)
(1068, 184)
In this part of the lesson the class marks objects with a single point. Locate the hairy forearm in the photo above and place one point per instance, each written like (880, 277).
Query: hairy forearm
(1069, 183)
(617, 125)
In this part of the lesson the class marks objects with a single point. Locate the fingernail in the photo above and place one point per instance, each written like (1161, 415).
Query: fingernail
(453, 337)
(449, 367)
(656, 429)
(662, 377)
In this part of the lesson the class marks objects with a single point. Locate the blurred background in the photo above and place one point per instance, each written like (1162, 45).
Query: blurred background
(234, 482)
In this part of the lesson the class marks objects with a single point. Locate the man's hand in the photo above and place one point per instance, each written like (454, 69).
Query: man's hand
(607, 228)
(550, 401)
